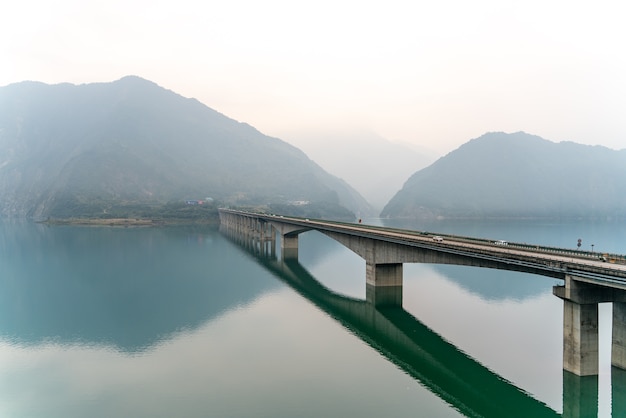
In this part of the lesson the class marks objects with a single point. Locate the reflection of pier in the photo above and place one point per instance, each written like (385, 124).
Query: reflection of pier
(446, 371)
(588, 280)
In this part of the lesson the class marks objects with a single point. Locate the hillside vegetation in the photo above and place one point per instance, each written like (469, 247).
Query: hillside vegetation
(517, 175)
(68, 150)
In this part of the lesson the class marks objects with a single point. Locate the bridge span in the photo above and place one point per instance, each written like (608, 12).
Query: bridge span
(588, 278)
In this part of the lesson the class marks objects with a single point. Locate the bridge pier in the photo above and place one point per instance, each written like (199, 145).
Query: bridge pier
(289, 246)
(389, 274)
(268, 239)
(383, 284)
(259, 234)
(580, 338)
(580, 325)
(618, 339)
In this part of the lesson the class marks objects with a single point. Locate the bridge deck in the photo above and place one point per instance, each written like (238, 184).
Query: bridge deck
(605, 270)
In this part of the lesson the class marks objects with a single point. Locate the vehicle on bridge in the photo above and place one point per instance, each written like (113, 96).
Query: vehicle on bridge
(437, 238)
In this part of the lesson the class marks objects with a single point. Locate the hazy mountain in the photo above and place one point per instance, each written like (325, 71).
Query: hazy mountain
(66, 147)
(374, 166)
(517, 175)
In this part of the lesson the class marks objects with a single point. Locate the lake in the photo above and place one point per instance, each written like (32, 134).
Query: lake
(187, 322)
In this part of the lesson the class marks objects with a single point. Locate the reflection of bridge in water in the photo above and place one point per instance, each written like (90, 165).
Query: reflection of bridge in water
(456, 378)
(446, 371)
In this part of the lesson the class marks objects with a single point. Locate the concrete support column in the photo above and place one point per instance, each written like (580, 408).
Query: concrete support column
(618, 346)
(289, 246)
(383, 284)
(383, 274)
(270, 243)
(580, 338)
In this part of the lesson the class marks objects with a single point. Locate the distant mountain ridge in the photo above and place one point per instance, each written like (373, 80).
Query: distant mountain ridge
(516, 175)
(375, 167)
(65, 147)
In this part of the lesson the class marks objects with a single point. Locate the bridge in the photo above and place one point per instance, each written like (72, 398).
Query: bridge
(589, 278)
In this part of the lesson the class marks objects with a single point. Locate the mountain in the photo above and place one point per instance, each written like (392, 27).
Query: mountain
(517, 175)
(67, 150)
(373, 165)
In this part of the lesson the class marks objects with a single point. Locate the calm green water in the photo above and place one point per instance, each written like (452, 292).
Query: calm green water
(177, 322)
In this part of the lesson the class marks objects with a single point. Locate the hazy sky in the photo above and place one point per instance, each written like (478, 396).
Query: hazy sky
(435, 73)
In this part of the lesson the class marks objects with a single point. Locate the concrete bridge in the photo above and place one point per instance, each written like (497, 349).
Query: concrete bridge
(589, 278)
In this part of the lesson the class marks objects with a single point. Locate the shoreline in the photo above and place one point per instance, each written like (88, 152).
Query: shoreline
(125, 222)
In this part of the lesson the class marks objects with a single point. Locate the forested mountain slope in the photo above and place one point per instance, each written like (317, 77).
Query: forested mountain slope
(67, 150)
(517, 175)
